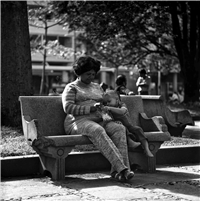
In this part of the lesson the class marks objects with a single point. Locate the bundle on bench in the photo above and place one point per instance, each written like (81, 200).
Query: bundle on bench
(43, 127)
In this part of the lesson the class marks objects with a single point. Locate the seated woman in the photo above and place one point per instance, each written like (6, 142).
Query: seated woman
(79, 98)
(121, 88)
(117, 110)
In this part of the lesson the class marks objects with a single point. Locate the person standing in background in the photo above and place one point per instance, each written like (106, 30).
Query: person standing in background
(143, 83)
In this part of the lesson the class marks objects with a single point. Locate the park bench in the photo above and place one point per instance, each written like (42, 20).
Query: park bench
(176, 121)
(43, 119)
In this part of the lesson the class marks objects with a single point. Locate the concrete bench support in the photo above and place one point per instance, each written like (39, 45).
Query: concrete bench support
(54, 161)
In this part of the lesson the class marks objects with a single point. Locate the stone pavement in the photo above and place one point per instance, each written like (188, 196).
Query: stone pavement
(171, 183)
(167, 184)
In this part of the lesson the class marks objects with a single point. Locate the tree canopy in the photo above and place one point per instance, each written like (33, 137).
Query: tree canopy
(126, 32)
(127, 26)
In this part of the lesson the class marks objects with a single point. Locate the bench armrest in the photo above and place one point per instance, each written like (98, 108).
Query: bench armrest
(155, 123)
(183, 117)
(29, 129)
(178, 118)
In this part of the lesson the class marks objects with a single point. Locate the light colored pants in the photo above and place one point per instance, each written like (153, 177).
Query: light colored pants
(110, 140)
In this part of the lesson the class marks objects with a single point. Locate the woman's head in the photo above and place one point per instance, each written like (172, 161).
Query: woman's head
(121, 80)
(142, 72)
(86, 63)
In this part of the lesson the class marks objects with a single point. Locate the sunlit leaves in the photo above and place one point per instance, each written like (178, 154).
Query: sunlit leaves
(122, 31)
(43, 16)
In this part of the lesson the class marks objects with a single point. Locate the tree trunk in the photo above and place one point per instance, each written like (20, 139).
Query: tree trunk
(187, 46)
(16, 60)
(191, 84)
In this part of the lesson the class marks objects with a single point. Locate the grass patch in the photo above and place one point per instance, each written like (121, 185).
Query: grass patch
(181, 141)
(13, 143)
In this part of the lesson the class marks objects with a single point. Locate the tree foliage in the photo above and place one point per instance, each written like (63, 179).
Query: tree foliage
(134, 30)
(42, 16)
(122, 33)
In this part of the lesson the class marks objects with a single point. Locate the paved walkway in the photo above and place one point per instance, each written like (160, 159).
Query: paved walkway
(167, 184)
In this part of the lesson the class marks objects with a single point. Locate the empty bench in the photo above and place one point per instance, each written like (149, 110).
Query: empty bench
(176, 121)
(43, 128)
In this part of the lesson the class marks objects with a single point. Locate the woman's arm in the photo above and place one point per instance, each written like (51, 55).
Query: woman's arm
(69, 102)
(138, 81)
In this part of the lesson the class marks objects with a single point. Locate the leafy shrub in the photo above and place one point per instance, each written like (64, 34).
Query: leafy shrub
(13, 143)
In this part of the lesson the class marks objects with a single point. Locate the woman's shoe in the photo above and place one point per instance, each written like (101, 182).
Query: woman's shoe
(128, 174)
(120, 177)
(123, 175)
(113, 174)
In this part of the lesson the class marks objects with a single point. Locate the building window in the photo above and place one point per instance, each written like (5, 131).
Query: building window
(51, 38)
(65, 41)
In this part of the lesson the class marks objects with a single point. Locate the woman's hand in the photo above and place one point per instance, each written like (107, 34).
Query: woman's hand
(98, 105)
(93, 108)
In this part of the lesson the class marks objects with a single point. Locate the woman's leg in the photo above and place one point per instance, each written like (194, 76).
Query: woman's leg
(117, 134)
(98, 136)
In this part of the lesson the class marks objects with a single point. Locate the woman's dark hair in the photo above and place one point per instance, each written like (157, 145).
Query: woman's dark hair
(121, 79)
(86, 63)
(143, 71)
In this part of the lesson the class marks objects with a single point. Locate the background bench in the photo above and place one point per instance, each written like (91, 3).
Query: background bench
(43, 127)
(176, 121)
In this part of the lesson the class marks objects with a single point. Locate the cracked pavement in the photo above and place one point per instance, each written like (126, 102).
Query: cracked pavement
(168, 183)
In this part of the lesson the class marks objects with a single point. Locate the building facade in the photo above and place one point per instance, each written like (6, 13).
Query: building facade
(58, 68)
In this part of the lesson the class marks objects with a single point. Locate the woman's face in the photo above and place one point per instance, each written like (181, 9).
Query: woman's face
(88, 76)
